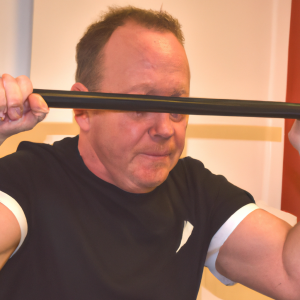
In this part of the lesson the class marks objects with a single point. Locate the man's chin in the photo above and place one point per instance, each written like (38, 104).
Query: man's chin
(153, 180)
(149, 175)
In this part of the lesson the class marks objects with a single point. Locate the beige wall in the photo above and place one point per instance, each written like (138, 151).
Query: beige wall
(237, 49)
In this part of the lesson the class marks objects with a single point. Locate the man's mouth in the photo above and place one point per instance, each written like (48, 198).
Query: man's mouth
(156, 155)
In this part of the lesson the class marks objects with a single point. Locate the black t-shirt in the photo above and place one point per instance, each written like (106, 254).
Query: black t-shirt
(88, 239)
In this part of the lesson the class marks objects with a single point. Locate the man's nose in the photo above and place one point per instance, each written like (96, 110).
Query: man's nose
(162, 126)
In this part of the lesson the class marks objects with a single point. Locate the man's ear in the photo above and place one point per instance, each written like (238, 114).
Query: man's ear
(82, 116)
(79, 87)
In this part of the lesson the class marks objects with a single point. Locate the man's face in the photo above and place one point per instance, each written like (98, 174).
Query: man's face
(138, 150)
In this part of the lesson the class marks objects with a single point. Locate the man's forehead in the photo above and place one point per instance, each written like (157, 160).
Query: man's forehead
(136, 35)
(133, 42)
(136, 59)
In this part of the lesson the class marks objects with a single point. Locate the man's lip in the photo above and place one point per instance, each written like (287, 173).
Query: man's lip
(157, 154)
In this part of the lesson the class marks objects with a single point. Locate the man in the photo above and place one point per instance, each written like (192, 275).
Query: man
(115, 214)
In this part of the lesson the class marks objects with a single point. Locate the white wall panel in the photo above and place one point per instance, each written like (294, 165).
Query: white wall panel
(16, 35)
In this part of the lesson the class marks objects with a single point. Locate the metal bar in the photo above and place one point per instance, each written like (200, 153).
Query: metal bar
(190, 106)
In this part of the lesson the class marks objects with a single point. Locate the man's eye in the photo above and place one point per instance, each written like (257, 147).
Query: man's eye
(140, 114)
(176, 117)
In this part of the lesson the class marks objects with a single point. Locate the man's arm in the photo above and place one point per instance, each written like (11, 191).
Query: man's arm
(263, 252)
(20, 110)
(10, 234)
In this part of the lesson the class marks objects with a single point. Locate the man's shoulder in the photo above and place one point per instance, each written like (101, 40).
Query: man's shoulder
(190, 174)
(30, 153)
(190, 168)
(63, 145)
(190, 163)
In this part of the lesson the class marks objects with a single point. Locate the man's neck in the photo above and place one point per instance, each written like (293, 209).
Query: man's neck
(91, 159)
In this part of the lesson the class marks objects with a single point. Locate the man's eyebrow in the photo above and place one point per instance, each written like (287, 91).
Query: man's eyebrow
(178, 93)
(148, 89)
(175, 93)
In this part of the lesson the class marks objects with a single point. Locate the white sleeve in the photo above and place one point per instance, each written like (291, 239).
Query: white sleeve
(221, 236)
(16, 209)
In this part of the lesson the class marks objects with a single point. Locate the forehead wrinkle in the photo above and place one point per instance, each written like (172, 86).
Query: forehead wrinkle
(145, 87)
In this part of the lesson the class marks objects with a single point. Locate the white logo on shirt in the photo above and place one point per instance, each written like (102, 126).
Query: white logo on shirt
(187, 231)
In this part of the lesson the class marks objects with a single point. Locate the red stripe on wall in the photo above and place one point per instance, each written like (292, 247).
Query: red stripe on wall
(291, 160)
